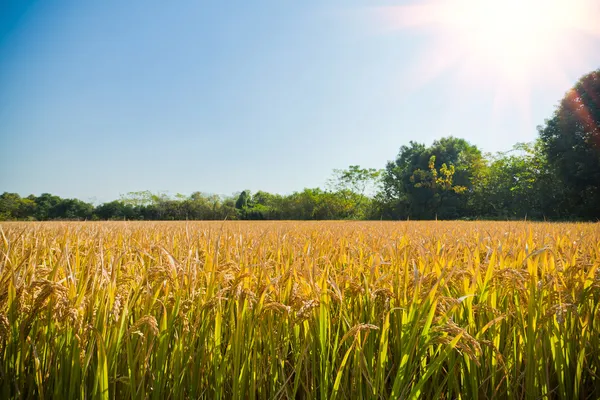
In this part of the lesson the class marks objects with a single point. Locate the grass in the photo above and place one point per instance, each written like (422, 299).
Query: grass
(329, 310)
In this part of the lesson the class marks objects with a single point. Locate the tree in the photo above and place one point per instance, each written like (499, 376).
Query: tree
(27, 208)
(136, 199)
(72, 209)
(439, 182)
(359, 180)
(9, 206)
(403, 195)
(394, 199)
(202, 206)
(353, 186)
(518, 184)
(45, 206)
(266, 206)
(571, 143)
(242, 200)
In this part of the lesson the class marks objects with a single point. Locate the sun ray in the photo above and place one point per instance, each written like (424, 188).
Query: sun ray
(507, 46)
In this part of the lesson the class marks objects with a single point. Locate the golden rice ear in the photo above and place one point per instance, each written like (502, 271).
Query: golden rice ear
(352, 332)
(148, 321)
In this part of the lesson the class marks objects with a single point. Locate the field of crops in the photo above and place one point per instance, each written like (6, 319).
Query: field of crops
(292, 310)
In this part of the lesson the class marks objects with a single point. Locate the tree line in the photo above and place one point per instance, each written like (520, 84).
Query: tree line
(556, 177)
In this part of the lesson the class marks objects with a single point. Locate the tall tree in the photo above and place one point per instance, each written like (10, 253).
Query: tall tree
(243, 199)
(46, 205)
(359, 180)
(518, 184)
(10, 203)
(404, 195)
(571, 140)
(353, 187)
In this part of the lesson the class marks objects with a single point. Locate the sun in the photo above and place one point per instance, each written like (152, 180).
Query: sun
(507, 44)
(512, 35)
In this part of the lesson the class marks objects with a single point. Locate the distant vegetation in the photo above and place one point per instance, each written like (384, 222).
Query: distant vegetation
(557, 177)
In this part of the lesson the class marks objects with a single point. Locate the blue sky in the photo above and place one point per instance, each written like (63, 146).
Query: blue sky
(99, 98)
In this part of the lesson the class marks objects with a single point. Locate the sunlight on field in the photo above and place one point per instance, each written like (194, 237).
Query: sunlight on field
(266, 310)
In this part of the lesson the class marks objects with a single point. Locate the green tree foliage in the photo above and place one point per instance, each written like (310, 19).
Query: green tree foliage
(355, 179)
(242, 201)
(206, 207)
(518, 184)
(410, 189)
(265, 206)
(439, 182)
(571, 142)
(142, 198)
(45, 209)
(353, 187)
(116, 210)
(42, 208)
(9, 205)
(73, 209)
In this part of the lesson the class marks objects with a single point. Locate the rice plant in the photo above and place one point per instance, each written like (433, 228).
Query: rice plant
(298, 310)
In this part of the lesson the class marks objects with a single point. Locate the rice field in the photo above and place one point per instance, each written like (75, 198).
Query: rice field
(299, 310)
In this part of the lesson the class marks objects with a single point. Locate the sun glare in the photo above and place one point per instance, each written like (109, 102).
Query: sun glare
(510, 44)
(513, 35)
